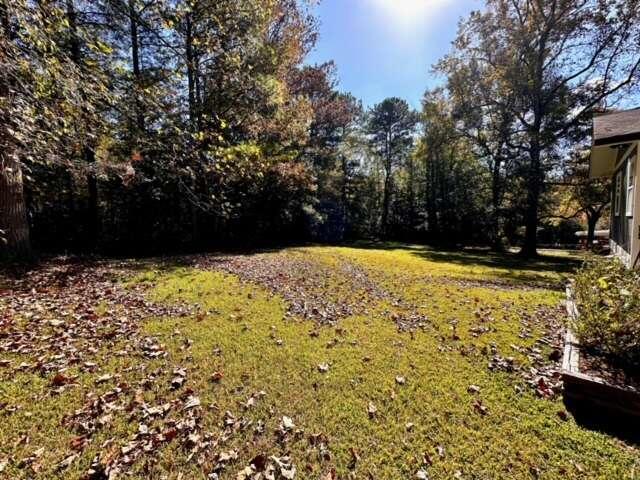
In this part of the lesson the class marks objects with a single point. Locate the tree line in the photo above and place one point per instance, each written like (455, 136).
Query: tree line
(149, 126)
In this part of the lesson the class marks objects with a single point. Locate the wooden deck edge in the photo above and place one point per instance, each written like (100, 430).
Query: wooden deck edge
(588, 393)
(571, 355)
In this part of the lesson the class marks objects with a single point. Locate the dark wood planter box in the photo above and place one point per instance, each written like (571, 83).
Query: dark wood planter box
(592, 401)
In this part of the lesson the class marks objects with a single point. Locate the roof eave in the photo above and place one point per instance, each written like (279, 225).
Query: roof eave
(602, 161)
(616, 139)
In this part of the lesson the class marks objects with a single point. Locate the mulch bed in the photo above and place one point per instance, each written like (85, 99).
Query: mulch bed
(599, 366)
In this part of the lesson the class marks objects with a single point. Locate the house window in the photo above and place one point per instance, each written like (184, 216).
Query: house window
(631, 180)
(617, 194)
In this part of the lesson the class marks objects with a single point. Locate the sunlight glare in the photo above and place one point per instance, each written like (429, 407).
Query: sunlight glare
(408, 13)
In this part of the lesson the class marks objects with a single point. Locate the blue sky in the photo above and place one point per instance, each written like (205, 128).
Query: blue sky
(385, 48)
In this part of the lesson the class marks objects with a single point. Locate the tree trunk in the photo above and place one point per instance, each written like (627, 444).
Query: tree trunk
(432, 195)
(4, 20)
(385, 202)
(89, 154)
(593, 215)
(591, 231)
(535, 175)
(530, 245)
(191, 74)
(496, 233)
(344, 194)
(74, 46)
(14, 227)
(412, 196)
(135, 61)
(194, 119)
(93, 214)
(387, 184)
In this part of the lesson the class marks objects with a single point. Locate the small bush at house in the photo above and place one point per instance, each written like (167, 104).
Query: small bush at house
(608, 299)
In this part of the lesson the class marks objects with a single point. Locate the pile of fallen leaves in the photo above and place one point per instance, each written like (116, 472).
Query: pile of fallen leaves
(68, 316)
(318, 292)
(312, 290)
(315, 291)
(74, 317)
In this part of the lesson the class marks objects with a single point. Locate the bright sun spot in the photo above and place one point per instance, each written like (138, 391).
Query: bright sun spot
(409, 12)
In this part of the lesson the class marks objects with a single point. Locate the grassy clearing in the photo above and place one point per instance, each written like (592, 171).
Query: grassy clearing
(416, 260)
(429, 422)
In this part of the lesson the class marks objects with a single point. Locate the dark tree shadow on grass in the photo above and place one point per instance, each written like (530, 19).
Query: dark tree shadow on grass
(623, 427)
(509, 267)
(517, 268)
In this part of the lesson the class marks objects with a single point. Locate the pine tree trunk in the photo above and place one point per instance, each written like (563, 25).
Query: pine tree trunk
(412, 197)
(385, 203)
(387, 185)
(93, 214)
(135, 61)
(432, 195)
(191, 75)
(92, 221)
(344, 197)
(14, 235)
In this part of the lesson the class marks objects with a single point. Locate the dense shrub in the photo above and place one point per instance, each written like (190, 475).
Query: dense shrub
(608, 299)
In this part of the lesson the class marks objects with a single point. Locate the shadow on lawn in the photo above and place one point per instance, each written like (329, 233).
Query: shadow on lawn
(619, 426)
(509, 266)
(173, 263)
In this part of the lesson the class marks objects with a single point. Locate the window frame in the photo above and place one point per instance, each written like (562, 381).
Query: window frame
(617, 193)
(630, 184)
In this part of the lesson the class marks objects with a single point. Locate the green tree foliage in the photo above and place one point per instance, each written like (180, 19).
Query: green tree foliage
(49, 109)
(455, 181)
(545, 65)
(488, 126)
(334, 124)
(576, 195)
(391, 125)
(155, 124)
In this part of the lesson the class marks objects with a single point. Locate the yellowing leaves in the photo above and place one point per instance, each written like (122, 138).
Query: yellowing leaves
(602, 283)
(199, 136)
(101, 47)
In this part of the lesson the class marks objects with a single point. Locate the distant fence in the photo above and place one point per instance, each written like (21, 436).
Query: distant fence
(560, 246)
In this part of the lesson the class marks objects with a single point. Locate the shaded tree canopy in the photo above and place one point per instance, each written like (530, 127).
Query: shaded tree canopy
(140, 127)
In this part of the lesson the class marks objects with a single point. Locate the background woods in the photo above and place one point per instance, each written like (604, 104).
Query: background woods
(146, 126)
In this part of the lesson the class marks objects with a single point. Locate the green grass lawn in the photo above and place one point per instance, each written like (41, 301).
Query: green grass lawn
(373, 376)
